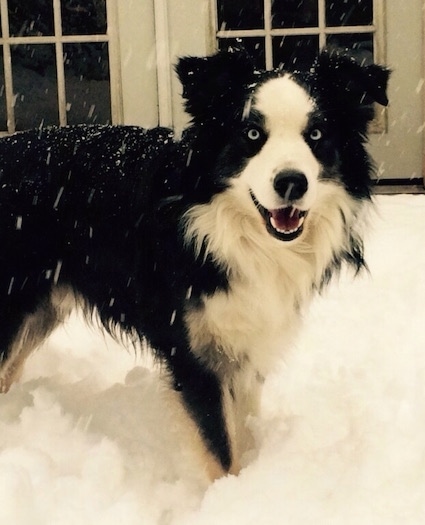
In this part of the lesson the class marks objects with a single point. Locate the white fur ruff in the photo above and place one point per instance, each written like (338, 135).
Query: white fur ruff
(270, 281)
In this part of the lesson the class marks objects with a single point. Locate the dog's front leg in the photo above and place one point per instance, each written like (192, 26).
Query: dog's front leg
(206, 399)
(244, 400)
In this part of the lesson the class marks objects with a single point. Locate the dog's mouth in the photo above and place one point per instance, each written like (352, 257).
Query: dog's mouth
(284, 224)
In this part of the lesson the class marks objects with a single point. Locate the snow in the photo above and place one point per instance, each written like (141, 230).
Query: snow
(92, 435)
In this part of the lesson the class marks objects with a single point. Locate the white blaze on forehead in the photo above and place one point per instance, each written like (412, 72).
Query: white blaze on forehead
(286, 108)
(283, 102)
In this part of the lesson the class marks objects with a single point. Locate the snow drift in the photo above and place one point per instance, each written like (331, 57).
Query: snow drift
(91, 434)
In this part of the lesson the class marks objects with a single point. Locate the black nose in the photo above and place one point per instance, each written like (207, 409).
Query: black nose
(291, 185)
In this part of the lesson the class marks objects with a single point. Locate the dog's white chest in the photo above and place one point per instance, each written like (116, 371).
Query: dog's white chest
(246, 324)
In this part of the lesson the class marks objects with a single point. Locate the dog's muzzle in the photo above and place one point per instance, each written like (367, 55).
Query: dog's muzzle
(286, 223)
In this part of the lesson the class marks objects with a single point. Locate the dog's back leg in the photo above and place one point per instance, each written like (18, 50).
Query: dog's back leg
(22, 329)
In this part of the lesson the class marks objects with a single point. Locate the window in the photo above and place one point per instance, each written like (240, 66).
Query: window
(58, 63)
(290, 32)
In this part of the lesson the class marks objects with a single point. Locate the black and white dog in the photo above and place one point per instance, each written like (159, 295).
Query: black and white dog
(207, 247)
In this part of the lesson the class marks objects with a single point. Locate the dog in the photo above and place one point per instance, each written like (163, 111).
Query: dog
(209, 246)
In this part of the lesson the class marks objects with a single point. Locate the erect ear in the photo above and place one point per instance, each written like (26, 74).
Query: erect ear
(349, 81)
(218, 81)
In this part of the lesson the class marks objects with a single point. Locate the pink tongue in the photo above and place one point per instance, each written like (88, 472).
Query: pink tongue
(285, 219)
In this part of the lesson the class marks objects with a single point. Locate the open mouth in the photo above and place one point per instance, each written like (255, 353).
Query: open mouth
(285, 224)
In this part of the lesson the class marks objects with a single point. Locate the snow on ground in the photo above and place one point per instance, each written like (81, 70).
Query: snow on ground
(91, 436)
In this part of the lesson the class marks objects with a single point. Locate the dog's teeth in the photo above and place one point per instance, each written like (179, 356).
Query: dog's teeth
(287, 232)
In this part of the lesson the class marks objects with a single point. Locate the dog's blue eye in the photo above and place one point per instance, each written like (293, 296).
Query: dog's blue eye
(316, 134)
(253, 134)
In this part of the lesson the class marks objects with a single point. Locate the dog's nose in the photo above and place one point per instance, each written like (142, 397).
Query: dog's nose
(291, 185)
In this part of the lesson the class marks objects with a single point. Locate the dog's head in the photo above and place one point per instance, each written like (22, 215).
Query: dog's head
(278, 135)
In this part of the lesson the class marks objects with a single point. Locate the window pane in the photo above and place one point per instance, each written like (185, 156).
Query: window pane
(360, 45)
(295, 52)
(295, 13)
(255, 47)
(3, 111)
(31, 17)
(87, 83)
(83, 17)
(347, 12)
(240, 14)
(35, 86)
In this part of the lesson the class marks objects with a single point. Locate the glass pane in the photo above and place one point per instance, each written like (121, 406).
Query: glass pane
(295, 52)
(360, 45)
(240, 14)
(349, 13)
(35, 86)
(87, 83)
(295, 13)
(30, 17)
(3, 111)
(83, 17)
(255, 47)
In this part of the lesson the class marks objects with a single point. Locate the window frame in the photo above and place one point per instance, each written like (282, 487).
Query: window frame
(322, 30)
(59, 40)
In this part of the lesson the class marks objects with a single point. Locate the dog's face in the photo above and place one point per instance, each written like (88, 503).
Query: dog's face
(282, 176)
(279, 135)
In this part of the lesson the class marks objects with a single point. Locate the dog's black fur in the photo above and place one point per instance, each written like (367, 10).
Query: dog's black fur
(97, 211)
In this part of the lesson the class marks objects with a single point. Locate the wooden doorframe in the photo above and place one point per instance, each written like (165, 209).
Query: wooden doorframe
(423, 95)
(163, 63)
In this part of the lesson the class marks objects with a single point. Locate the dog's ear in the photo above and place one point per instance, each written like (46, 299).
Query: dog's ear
(214, 83)
(350, 82)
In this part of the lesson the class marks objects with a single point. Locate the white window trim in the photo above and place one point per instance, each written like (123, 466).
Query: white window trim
(111, 37)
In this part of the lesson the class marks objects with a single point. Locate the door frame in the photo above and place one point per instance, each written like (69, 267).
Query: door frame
(423, 95)
(163, 61)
